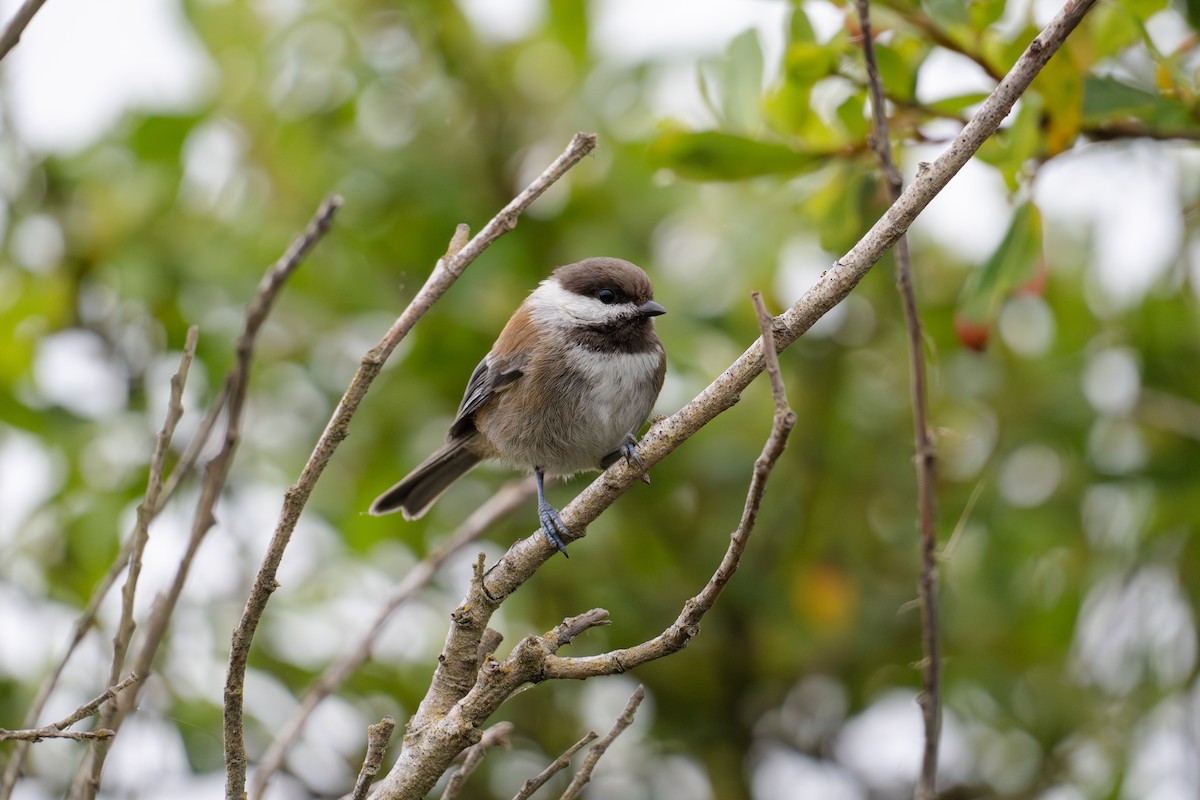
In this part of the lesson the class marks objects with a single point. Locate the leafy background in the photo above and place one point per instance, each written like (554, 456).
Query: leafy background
(1058, 285)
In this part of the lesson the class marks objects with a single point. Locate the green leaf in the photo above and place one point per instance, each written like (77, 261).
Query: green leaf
(1013, 263)
(1010, 149)
(948, 13)
(838, 209)
(799, 28)
(732, 83)
(1113, 28)
(986, 12)
(1144, 9)
(853, 116)
(1060, 84)
(1107, 99)
(161, 138)
(808, 62)
(788, 108)
(955, 105)
(715, 156)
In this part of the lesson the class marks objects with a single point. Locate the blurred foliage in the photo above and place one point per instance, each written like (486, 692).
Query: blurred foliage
(1066, 410)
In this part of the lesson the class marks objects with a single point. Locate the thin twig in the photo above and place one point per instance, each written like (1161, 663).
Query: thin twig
(145, 511)
(558, 765)
(495, 735)
(58, 730)
(16, 26)
(445, 723)
(505, 501)
(926, 459)
(687, 624)
(597, 750)
(87, 778)
(444, 274)
(378, 736)
(129, 556)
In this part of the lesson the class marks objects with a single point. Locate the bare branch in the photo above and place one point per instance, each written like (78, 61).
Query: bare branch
(558, 765)
(57, 730)
(495, 735)
(33, 735)
(130, 556)
(18, 24)
(504, 502)
(444, 274)
(462, 696)
(378, 736)
(598, 749)
(687, 624)
(145, 512)
(926, 460)
(87, 778)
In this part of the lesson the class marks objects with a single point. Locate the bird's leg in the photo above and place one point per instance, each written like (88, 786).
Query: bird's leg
(627, 451)
(552, 524)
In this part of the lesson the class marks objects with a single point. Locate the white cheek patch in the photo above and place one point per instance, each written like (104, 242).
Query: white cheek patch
(553, 305)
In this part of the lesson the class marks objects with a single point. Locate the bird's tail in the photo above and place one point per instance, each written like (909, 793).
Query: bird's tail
(415, 493)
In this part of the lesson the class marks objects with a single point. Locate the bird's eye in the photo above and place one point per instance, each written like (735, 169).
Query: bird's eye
(606, 296)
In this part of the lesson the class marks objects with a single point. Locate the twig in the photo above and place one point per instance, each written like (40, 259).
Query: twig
(33, 735)
(17, 25)
(444, 274)
(926, 458)
(558, 765)
(145, 511)
(597, 750)
(378, 736)
(687, 624)
(87, 778)
(510, 497)
(129, 556)
(461, 696)
(495, 735)
(57, 730)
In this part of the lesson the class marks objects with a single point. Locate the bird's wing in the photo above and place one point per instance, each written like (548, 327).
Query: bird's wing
(491, 376)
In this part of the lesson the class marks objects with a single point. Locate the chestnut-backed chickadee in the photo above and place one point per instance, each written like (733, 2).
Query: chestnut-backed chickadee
(565, 388)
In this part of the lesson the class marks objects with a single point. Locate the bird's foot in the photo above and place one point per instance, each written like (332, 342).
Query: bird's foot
(553, 526)
(629, 452)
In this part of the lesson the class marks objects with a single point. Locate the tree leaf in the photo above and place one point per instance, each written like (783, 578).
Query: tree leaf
(716, 156)
(1010, 266)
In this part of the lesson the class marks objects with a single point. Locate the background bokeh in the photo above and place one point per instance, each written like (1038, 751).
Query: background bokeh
(146, 182)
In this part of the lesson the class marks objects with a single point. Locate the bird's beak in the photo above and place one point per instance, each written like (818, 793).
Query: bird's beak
(651, 309)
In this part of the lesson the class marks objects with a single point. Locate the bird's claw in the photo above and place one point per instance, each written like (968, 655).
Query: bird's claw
(553, 526)
(629, 452)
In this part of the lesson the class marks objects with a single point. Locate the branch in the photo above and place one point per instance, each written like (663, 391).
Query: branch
(17, 25)
(504, 502)
(378, 736)
(597, 750)
(57, 730)
(558, 765)
(926, 460)
(687, 624)
(463, 695)
(130, 555)
(444, 274)
(87, 778)
(145, 512)
(495, 735)
(413, 769)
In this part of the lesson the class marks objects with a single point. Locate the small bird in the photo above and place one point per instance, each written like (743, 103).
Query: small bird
(565, 388)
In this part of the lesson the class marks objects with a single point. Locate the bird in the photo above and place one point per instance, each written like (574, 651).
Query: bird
(565, 388)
